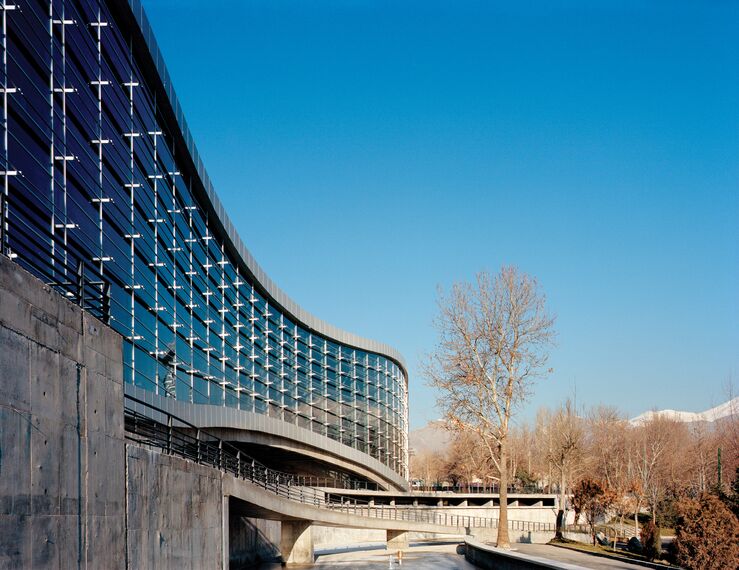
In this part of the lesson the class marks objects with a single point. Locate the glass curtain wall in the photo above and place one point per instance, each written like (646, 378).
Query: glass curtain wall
(100, 200)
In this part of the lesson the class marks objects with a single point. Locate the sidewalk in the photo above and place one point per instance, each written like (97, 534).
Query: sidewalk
(574, 557)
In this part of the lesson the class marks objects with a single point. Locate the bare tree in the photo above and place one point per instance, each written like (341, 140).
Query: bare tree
(656, 446)
(565, 453)
(428, 466)
(464, 461)
(607, 458)
(494, 337)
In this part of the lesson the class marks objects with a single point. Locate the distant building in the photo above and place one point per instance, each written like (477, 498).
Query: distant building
(105, 197)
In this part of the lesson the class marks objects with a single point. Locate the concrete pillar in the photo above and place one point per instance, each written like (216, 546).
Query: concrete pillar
(296, 542)
(397, 540)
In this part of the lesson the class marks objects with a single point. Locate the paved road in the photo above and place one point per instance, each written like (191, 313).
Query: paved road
(572, 557)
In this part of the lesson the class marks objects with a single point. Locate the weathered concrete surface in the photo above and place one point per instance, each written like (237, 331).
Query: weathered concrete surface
(61, 431)
(251, 540)
(296, 542)
(327, 538)
(174, 512)
(177, 515)
(396, 540)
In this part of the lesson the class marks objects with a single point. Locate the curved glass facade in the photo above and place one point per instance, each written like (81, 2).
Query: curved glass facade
(104, 198)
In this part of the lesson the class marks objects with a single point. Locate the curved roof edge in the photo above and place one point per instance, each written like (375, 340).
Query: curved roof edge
(280, 297)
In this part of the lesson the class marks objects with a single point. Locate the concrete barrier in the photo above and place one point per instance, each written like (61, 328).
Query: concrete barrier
(490, 557)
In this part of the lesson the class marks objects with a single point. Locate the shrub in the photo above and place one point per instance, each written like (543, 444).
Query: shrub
(707, 535)
(592, 498)
(651, 541)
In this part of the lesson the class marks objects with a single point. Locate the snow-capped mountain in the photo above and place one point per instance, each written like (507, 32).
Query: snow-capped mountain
(721, 411)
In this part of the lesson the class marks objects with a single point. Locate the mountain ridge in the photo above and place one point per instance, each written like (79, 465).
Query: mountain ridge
(717, 413)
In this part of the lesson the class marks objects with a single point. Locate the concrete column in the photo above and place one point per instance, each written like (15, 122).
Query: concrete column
(397, 540)
(296, 542)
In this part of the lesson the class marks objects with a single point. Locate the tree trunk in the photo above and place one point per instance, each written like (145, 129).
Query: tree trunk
(561, 513)
(503, 540)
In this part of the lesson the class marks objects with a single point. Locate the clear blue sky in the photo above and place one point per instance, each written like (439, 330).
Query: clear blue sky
(368, 151)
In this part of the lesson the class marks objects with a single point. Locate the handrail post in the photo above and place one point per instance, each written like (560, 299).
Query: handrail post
(2, 222)
(169, 434)
(81, 283)
(106, 302)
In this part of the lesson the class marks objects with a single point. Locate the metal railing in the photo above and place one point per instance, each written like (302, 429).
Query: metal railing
(493, 489)
(91, 292)
(179, 437)
(175, 436)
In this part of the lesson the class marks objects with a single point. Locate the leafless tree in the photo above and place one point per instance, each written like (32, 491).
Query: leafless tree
(494, 337)
(428, 466)
(565, 452)
(465, 463)
(656, 453)
(607, 458)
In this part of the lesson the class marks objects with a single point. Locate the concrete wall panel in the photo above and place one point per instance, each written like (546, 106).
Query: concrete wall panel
(62, 492)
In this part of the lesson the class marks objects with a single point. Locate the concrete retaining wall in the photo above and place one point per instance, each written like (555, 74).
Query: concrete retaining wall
(583, 537)
(176, 515)
(252, 540)
(61, 431)
(175, 512)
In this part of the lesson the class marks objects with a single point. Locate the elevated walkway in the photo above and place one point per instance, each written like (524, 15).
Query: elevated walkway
(251, 489)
